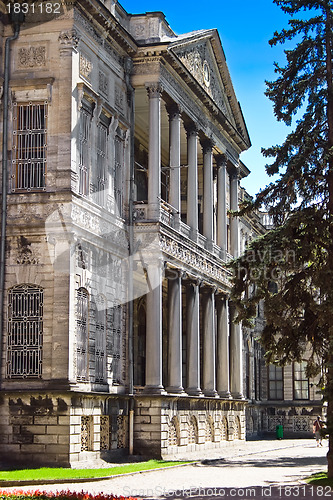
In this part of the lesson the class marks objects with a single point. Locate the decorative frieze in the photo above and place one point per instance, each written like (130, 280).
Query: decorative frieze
(32, 57)
(103, 83)
(86, 66)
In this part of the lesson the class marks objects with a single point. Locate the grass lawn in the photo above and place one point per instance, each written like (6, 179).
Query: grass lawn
(61, 473)
(320, 479)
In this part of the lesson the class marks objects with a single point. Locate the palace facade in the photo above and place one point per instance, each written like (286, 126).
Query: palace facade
(123, 161)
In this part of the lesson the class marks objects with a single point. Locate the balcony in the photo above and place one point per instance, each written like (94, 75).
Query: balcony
(167, 217)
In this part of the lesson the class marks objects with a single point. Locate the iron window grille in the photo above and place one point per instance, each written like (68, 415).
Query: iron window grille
(84, 151)
(118, 172)
(100, 340)
(29, 146)
(25, 331)
(82, 322)
(102, 140)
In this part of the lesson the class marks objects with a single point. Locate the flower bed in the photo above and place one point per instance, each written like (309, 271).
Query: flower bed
(59, 495)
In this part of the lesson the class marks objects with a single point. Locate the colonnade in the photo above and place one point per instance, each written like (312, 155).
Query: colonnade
(221, 342)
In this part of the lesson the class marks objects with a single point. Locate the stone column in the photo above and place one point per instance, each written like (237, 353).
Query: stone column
(234, 224)
(223, 362)
(154, 154)
(236, 356)
(222, 204)
(209, 352)
(208, 198)
(192, 181)
(174, 134)
(193, 339)
(154, 329)
(175, 332)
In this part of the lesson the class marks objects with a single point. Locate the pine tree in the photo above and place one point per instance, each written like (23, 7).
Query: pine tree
(291, 267)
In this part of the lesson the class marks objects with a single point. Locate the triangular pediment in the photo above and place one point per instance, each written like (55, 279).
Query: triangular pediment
(202, 55)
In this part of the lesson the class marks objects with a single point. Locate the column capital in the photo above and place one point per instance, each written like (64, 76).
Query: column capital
(192, 130)
(171, 273)
(154, 89)
(174, 110)
(207, 145)
(221, 160)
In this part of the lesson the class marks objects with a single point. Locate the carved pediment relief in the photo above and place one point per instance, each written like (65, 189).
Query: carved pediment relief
(199, 59)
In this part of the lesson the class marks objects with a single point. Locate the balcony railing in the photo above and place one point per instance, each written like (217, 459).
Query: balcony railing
(167, 217)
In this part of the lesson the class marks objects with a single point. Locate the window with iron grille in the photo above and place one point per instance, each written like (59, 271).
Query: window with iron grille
(275, 382)
(25, 331)
(116, 321)
(84, 150)
(301, 381)
(82, 331)
(100, 340)
(102, 140)
(118, 174)
(29, 146)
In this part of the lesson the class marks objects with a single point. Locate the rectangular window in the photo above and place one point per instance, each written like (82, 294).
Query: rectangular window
(84, 151)
(29, 146)
(82, 322)
(102, 138)
(25, 332)
(100, 340)
(301, 382)
(275, 382)
(118, 174)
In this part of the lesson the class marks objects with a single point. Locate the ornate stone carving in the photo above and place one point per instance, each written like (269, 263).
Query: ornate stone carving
(105, 432)
(68, 40)
(122, 431)
(86, 66)
(154, 89)
(32, 57)
(26, 257)
(119, 98)
(174, 432)
(193, 433)
(103, 83)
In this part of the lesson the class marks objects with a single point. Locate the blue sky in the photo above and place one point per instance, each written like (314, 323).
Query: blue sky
(245, 27)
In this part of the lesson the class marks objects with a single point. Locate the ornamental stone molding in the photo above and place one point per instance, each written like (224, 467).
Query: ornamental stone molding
(68, 40)
(154, 89)
(32, 57)
(86, 66)
(103, 83)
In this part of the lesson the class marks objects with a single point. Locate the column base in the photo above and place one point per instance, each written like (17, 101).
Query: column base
(175, 390)
(225, 394)
(154, 389)
(237, 395)
(211, 393)
(194, 391)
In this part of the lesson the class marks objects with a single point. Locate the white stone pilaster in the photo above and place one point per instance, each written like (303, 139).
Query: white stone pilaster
(193, 339)
(208, 193)
(223, 361)
(174, 135)
(222, 204)
(236, 356)
(209, 349)
(192, 181)
(175, 332)
(234, 223)
(154, 154)
(154, 329)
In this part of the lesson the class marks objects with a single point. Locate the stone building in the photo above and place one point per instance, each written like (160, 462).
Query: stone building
(123, 160)
(275, 395)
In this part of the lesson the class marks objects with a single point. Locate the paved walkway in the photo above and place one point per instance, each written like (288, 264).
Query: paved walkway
(258, 469)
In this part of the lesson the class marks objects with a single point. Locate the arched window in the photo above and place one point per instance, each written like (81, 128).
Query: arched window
(82, 322)
(25, 331)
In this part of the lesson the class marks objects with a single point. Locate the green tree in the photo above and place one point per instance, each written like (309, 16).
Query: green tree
(291, 267)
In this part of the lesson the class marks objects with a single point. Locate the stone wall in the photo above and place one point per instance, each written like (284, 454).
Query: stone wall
(166, 427)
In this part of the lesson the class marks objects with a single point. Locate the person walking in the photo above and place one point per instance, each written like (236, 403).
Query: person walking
(318, 424)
